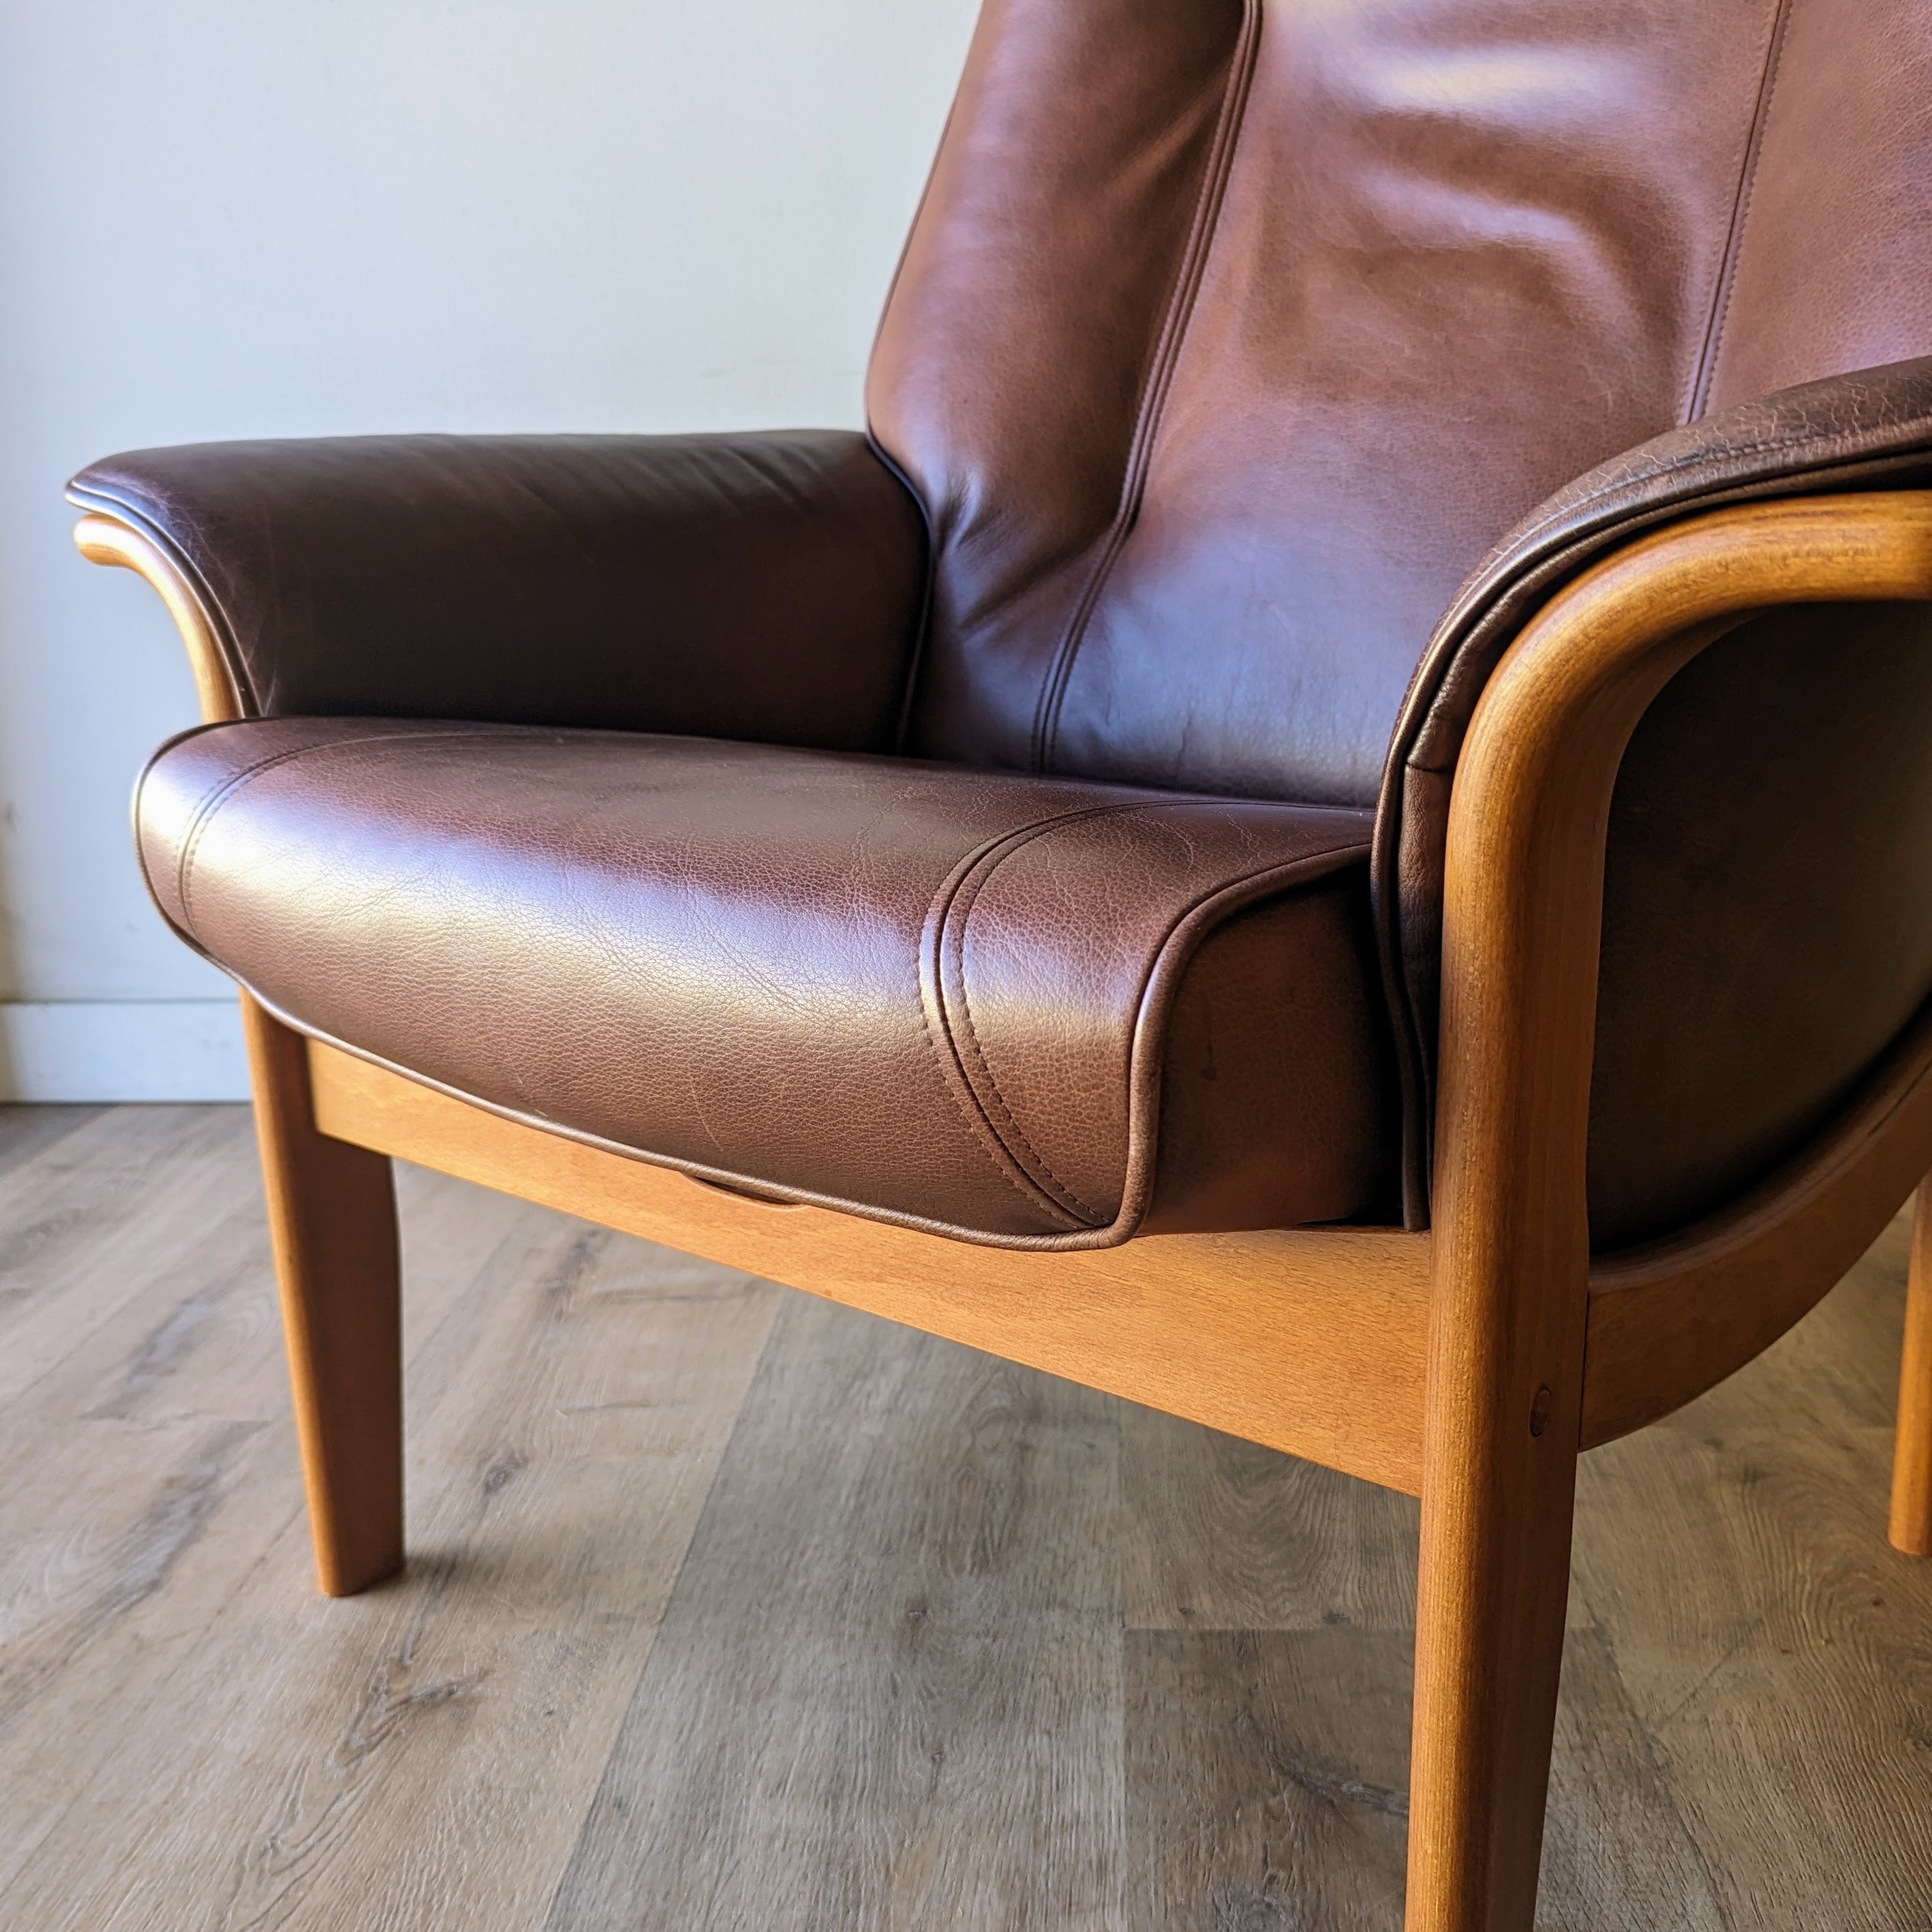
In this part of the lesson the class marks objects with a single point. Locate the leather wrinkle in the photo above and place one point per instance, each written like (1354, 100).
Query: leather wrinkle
(209, 809)
(1160, 373)
(972, 883)
(1706, 370)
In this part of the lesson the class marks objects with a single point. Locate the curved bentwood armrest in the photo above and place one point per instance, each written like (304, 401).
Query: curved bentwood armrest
(102, 539)
(1513, 1327)
(1522, 921)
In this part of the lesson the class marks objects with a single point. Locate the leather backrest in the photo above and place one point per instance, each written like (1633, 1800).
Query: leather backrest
(1229, 338)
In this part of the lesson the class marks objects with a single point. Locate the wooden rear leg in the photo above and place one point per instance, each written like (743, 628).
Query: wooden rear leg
(332, 1222)
(1912, 1457)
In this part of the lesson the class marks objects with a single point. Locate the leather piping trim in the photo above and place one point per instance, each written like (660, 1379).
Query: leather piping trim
(1706, 369)
(1160, 376)
(948, 1018)
(101, 503)
(968, 1072)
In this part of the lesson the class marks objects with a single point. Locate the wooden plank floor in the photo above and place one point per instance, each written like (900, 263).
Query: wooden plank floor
(728, 1610)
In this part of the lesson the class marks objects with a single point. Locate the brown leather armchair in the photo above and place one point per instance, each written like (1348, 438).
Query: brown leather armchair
(1050, 871)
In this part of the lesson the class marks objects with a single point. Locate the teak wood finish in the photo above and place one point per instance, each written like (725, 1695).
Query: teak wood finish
(1470, 1365)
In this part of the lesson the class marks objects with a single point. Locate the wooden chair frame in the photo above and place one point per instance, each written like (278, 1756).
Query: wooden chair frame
(1469, 1366)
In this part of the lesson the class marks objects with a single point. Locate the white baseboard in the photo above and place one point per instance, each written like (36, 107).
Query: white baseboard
(121, 1050)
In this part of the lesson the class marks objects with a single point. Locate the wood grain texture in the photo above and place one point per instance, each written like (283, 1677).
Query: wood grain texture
(1222, 1534)
(1911, 1526)
(25, 1129)
(1522, 918)
(81, 1227)
(1266, 1779)
(149, 1466)
(1310, 1341)
(332, 1221)
(1773, 1650)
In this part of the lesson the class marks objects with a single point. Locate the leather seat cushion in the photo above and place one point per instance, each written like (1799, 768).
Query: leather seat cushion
(1035, 1011)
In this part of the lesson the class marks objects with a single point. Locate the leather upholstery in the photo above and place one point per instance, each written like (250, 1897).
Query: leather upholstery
(1229, 341)
(1423, 261)
(1837, 976)
(1038, 1011)
(763, 586)
(1399, 271)
(1768, 906)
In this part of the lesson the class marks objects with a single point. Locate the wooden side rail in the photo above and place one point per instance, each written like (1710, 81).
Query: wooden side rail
(1673, 1318)
(1308, 1342)
(1911, 1524)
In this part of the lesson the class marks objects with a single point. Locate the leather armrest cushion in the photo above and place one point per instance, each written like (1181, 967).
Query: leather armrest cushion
(1870, 429)
(765, 587)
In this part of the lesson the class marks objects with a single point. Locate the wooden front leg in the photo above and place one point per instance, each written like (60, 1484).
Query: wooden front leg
(1911, 1458)
(1499, 1477)
(1523, 908)
(332, 1223)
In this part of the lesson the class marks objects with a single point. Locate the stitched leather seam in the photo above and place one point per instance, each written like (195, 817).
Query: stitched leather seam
(982, 1129)
(1706, 372)
(1159, 379)
(1154, 958)
(1092, 1216)
(204, 815)
(971, 878)
(943, 1036)
(963, 903)
(1578, 513)
(210, 806)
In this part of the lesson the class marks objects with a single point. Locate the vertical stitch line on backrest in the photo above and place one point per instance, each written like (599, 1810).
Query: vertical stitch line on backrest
(1720, 299)
(1166, 357)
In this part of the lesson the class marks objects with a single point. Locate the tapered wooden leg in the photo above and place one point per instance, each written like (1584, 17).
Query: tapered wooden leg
(1912, 1457)
(1499, 1489)
(332, 1221)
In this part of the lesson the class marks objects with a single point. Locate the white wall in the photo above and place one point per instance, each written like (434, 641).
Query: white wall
(251, 217)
